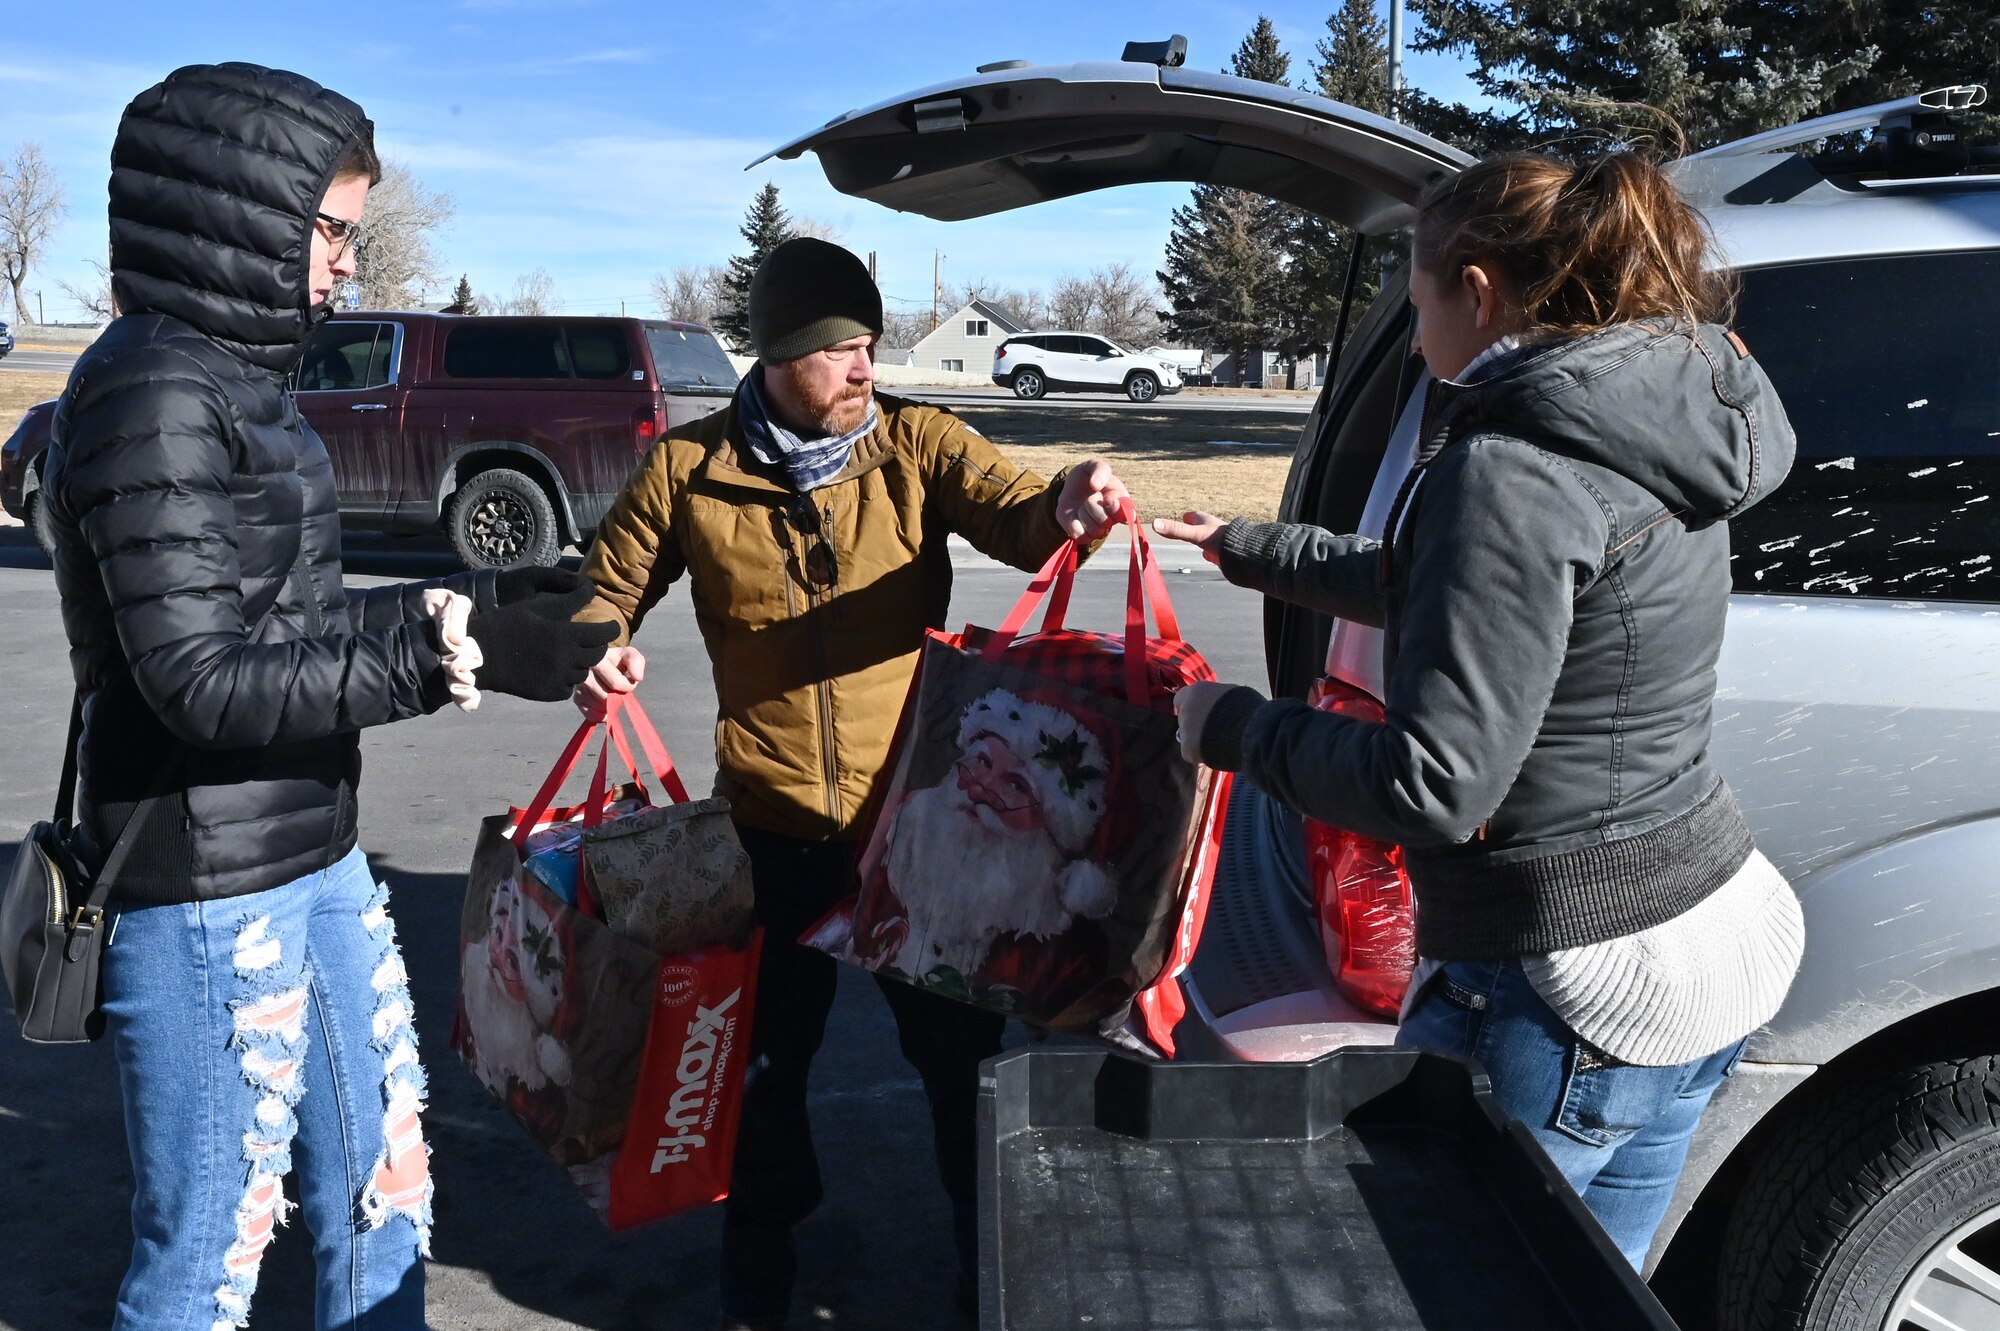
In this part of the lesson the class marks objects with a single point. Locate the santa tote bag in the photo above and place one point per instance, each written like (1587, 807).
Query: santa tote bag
(608, 967)
(1041, 847)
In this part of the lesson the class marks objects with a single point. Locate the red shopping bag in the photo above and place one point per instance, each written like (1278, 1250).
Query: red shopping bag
(1040, 847)
(626, 1065)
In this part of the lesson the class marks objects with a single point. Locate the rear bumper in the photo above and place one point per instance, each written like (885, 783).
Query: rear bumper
(1004, 380)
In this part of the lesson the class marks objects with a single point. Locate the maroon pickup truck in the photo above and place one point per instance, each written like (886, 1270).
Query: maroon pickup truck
(512, 435)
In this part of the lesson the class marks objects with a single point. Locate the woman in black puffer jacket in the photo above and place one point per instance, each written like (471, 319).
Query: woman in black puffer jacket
(253, 992)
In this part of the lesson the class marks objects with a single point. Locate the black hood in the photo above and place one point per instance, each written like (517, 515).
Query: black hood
(1686, 413)
(215, 176)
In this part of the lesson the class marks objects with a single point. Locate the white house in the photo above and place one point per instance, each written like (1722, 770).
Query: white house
(965, 340)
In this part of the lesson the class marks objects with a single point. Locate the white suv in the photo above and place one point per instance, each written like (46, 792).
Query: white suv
(1034, 363)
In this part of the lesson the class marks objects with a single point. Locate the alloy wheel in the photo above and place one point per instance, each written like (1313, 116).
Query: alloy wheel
(1956, 1287)
(501, 528)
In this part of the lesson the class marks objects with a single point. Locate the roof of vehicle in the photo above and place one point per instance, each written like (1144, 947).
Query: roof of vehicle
(441, 316)
(1771, 200)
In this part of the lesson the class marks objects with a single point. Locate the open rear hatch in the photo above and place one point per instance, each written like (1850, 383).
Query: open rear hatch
(1026, 134)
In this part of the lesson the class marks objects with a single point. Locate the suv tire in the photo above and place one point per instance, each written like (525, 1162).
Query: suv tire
(1863, 1203)
(1029, 384)
(1141, 386)
(38, 523)
(503, 519)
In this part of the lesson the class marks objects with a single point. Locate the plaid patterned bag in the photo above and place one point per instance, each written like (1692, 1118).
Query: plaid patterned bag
(1040, 847)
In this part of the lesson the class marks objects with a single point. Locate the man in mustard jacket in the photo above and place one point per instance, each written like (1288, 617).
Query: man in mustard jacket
(810, 518)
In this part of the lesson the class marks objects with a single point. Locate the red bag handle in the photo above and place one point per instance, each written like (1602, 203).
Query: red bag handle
(1145, 586)
(614, 730)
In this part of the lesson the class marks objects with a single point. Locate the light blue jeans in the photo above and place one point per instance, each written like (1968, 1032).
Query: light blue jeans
(1617, 1132)
(250, 1034)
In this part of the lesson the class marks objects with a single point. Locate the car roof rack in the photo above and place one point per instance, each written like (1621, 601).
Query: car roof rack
(1902, 113)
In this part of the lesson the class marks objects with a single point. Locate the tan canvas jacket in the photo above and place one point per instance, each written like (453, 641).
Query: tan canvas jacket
(810, 680)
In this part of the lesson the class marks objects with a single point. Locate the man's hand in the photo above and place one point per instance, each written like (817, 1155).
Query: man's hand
(619, 672)
(1201, 529)
(1092, 496)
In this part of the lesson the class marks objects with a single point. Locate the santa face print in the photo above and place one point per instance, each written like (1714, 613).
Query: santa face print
(997, 786)
(523, 951)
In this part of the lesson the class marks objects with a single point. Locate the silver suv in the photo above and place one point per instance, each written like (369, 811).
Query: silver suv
(1850, 1175)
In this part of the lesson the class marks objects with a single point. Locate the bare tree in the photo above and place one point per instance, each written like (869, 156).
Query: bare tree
(1072, 302)
(692, 292)
(817, 228)
(31, 199)
(394, 260)
(905, 328)
(1025, 304)
(534, 293)
(98, 299)
(1123, 306)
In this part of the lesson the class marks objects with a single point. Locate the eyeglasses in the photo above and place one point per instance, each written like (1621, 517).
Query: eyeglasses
(343, 234)
(821, 566)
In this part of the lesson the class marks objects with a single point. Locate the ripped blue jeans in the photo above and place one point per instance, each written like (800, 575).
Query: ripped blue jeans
(253, 1034)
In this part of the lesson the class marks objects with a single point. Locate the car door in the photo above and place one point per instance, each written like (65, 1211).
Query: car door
(346, 388)
(1096, 364)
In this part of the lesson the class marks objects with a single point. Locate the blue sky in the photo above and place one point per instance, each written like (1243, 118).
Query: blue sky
(605, 140)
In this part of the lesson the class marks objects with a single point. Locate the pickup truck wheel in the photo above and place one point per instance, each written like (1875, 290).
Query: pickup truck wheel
(38, 523)
(1879, 1211)
(1142, 387)
(502, 519)
(1029, 384)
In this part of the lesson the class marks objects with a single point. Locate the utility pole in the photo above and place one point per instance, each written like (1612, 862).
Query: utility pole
(41, 316)
(937, 284)
(872, 277)
(1395, 59)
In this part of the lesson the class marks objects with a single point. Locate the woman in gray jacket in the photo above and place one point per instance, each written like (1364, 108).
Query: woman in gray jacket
(1594, 923)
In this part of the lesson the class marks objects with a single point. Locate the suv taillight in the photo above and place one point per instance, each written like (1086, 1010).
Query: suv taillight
(1367, 919)
(645, 427)
(1000, 352)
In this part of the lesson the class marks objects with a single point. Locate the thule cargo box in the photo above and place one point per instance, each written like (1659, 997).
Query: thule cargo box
(1371, 1188)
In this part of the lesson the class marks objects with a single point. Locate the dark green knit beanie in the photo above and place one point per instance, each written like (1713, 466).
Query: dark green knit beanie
(808, 295)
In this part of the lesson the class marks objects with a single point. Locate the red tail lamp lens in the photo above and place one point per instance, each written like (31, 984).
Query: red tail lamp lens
(1367, 918)
(645, 427)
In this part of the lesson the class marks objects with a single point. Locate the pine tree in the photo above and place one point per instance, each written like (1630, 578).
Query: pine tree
(1224, 247)
(1720, 68)
(462, 299)
(1260, 57)
(766, 226)
(1351, 65)
(1217, 259)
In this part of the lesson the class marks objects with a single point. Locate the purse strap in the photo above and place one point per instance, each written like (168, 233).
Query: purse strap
(101, 882)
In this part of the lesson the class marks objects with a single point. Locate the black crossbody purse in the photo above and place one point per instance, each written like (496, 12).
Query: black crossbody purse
(52, 917)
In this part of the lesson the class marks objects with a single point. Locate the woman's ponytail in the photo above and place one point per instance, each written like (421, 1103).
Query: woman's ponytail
(1584, 247)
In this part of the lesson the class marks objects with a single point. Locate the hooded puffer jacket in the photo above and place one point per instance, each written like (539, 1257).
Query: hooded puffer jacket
(218, 660)
(1552, 597)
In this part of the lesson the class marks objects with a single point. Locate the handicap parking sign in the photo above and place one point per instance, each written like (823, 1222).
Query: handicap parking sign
(350, 296)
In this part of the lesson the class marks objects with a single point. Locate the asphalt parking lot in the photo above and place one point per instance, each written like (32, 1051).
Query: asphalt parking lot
(514, 1250)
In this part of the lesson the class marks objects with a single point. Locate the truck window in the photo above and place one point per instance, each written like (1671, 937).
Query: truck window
(344, 356)
(1890, 371)
(599, 351)
(507, 351)
(689, 358)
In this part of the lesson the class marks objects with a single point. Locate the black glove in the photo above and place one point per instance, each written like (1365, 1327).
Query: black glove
(518, 584)
(532, 647)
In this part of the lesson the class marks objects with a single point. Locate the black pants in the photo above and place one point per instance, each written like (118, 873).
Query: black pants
(776, 1181)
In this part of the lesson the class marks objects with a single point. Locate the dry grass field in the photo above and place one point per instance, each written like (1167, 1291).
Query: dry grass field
(22, 389)
(1227, 462)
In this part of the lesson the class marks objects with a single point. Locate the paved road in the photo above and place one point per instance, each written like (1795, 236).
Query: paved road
(514, 1250)
(22, 358)
(948, 397)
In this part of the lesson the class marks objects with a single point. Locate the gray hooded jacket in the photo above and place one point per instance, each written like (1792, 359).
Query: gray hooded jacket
(1553, 595)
